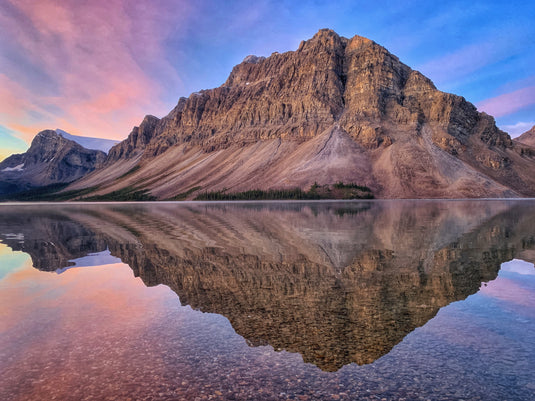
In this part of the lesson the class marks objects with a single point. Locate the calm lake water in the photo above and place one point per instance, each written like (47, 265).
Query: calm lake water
(380, 300)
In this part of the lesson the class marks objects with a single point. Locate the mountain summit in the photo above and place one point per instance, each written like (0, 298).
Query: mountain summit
(336, 109)
(51, 159)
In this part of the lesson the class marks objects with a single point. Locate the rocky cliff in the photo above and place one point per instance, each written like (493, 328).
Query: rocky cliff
(51, 159)
(528, 137)
(335, 109)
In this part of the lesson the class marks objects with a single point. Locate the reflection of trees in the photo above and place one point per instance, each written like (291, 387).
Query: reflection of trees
(335, 287)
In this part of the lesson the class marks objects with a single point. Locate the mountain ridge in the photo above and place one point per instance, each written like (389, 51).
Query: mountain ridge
(51, 159)
(335, 109)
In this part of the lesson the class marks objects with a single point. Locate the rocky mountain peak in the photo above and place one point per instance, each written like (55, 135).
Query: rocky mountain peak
(136, 141)
(324, 40)
(51, 159)
(335, 108)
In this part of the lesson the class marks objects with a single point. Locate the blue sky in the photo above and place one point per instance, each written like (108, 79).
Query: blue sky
(96, 68)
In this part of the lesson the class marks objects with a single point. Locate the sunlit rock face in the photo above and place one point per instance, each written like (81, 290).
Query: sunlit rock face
(336, 109)
(338, 283)
(51, 159)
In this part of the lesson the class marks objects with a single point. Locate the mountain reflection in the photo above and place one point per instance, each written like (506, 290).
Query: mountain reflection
(336, 282)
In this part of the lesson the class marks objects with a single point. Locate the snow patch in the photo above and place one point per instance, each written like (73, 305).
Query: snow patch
(89, 143)
(20, 167)
(252, 59)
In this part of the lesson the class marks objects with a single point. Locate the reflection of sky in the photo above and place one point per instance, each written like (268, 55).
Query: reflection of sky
(11, 261)
(102, 332)
(519, 267)
(514, 288)
(92, 259)
(494, 327)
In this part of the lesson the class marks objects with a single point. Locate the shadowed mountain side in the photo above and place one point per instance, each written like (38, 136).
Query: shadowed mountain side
(338, 283)
(335, 109)
(51, 159)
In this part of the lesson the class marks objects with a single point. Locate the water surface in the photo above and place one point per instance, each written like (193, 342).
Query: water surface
(342, 300)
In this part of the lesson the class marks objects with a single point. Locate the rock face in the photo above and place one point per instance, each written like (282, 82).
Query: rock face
(51, 159)
(528, 137)
(335, 109)
(338, 283)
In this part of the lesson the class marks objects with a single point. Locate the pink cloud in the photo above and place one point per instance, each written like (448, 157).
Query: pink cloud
(508, 290)
(461, 62)
(508, 103)
(105, 59)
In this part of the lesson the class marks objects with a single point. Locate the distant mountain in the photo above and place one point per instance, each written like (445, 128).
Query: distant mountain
(51, 159)
(89, 143)
(528, 137)
(335, 109)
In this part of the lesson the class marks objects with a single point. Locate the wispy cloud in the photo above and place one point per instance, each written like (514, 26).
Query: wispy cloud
(9, 143)
(98, 58)
(518, 129)
(463, 61)
(508, 103)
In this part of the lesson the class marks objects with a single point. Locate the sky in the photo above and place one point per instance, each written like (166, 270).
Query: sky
(97, 67)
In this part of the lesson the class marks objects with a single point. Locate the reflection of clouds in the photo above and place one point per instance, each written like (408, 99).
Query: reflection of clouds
(99, 55)
(513, 285)
(519, 266)
(58, 329)
(11, 261)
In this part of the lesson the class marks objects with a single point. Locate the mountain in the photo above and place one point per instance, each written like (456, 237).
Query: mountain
(101, 144)
(336, 109)
(528, 137)
(51, 159)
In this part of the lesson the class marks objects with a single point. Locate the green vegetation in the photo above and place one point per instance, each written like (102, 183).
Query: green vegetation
(48, 193)
(125, 194)
(184, 195)
(51, 193)
(258, 194)
(131, 171)
(341, 185)
(338, 191)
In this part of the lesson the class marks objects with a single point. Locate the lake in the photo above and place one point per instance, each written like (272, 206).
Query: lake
(373, 300)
